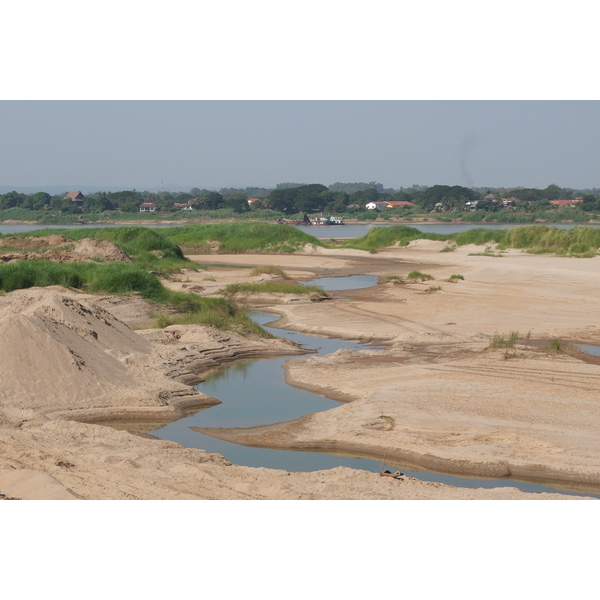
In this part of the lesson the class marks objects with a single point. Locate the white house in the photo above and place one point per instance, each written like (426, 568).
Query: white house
(374, 205)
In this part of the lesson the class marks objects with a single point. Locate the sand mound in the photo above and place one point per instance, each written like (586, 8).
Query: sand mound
(61, 352)
(100, 250)
(62, 249)
(433, 245)
(34, 243)
(64, 355)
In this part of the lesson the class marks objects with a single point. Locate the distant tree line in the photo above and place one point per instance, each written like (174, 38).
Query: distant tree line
(292, 199)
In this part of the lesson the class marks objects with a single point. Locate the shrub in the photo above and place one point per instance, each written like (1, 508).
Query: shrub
(456, 277)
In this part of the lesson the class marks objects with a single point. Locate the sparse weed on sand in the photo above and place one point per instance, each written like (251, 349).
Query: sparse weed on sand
(272, 287)
(392, 279)
(268, 270)
(500, 341)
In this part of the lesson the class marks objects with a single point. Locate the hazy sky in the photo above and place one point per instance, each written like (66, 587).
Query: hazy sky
(213, 144)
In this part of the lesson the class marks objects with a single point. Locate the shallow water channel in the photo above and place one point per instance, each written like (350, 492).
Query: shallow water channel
(254, 392)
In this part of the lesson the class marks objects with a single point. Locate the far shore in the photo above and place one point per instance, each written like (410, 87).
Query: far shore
(419, 220)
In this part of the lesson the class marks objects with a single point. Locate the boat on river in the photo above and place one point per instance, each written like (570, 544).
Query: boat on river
(314, 220)
(321, 220)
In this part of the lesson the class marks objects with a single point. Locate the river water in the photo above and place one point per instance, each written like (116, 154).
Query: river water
(322, 232)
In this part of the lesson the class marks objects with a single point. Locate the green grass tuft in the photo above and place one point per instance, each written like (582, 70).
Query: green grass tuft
(418, 275)
(272, 287)
(556, 345)
(500, 341)
(268, 270)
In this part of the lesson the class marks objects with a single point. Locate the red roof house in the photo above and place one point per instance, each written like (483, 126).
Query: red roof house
(76, 197)
(565, 202)
(394, 203)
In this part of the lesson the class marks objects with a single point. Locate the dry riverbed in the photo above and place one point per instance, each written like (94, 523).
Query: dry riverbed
(438, 397)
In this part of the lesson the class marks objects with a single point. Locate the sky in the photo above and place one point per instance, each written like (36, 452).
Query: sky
(137, 144)
(233, 94)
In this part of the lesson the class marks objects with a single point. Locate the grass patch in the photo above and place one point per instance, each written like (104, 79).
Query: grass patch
(486, 253)
(268, 270)
(456, 277)
(580, 241)
(450, 248)
(392, 279)
(382, 237)
(127, 278)
(414, 275)
(501, 341)
(215, 312)
(272, 287)
(241, 237)
(148, 248)
(556, 345)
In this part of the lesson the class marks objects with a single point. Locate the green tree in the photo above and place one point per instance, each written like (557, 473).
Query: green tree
(282, 200)
(97, 203)
(40, 200)
(237, 202)
(210, 200)
(127, 200)
(312, 198)
(11, 199)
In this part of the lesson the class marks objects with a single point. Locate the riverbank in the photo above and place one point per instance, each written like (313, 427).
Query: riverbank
(72, 356)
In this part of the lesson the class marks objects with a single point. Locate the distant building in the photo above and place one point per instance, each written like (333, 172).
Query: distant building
(396, 203)
(566, 202)
(148, 207)
(76, 197)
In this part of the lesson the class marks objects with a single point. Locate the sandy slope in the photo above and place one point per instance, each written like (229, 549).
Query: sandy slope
(438, 396)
